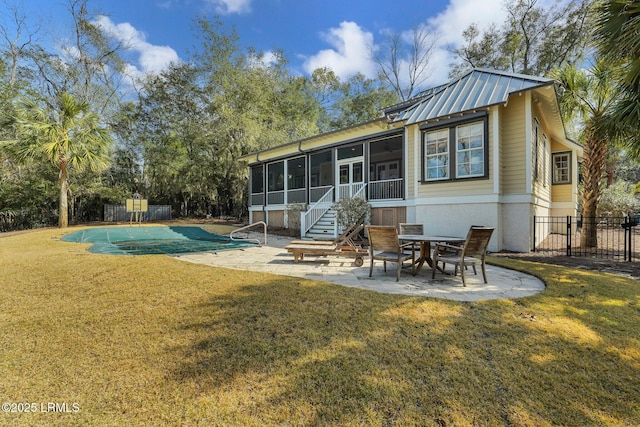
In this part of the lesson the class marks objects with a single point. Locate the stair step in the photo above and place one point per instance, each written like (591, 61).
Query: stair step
(324, 228)
(321, 230)
(319, 236)
(324, 224)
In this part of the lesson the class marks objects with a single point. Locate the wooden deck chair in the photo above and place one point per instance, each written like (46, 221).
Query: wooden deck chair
(411, 228)
(385, 246)
(472, 252)
(346, 238)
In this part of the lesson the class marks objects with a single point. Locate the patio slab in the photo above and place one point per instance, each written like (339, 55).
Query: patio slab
(503, 283)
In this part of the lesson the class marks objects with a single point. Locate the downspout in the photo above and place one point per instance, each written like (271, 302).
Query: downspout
(306, 186)
(264, 184)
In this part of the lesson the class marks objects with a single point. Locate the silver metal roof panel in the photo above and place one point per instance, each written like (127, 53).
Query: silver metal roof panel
(479, 88)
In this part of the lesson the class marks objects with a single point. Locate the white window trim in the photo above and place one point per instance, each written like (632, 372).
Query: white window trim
(447, 153)
(545, 144)
(481, 149)
(536, 149)
(569, 168)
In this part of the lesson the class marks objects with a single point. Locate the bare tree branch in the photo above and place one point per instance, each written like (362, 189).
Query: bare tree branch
(404, 64)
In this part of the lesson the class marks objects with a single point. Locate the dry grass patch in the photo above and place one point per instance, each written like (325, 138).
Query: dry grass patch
(150, 340)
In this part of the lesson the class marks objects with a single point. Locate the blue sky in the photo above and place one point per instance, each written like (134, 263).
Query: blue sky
(312, 33)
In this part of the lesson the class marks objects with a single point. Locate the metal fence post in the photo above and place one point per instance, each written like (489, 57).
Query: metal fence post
(627, 239)
(569, 231)
(534, 234)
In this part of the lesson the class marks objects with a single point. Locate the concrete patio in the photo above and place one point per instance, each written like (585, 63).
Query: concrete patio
(274, 259)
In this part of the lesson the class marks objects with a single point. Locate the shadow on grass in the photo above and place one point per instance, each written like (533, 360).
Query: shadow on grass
(308, 353)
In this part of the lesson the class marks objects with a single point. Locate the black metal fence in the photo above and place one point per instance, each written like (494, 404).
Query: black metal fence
(118, 213)
(618, 238)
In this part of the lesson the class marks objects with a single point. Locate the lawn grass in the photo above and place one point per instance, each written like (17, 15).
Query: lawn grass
(151, 340)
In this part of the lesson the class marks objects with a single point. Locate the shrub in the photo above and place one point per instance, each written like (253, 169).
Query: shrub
(618, 200)
(293, 213)
(352, 211)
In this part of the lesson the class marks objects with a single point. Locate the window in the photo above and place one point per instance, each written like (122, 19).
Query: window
(436, 148)
(349, 152)
(545, 160)
(385, 158)
(535, 138)
(257, 185)
(296, 173)
(456, 152)
(321, 169)
(562, 168)
(257, 179)
(276, 176)
(470, 150)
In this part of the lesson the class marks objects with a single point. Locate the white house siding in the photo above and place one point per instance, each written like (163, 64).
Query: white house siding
(454, 219)
(517, 226)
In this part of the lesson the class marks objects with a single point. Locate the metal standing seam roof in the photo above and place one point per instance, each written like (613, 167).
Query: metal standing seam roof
(478, 88)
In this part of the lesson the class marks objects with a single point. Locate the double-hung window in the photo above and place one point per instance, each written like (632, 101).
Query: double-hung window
(436, 155)
(562, 168)
(455, 152)
(470, 150)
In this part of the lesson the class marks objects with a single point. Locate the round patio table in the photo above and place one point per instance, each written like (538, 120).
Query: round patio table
(425, 247)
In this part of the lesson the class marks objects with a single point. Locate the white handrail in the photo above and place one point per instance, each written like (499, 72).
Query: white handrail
(352, 190)
(315, 212)
(386, 189)
(264, 224)
(361, 190)
(359, 193)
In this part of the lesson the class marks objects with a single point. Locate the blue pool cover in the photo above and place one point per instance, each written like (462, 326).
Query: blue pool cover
(153, 240)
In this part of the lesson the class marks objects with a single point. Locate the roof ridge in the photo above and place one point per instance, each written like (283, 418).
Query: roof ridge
(453, 97)
(512, 74)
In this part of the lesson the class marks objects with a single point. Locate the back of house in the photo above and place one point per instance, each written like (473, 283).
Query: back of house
(488, 148)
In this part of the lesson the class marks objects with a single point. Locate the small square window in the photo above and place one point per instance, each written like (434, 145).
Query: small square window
(562, 168)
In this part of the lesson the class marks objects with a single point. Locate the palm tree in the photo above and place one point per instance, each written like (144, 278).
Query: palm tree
(70, 137)
(617, 33)
(590, 97)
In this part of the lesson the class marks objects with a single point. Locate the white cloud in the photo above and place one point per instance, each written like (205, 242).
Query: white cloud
(350, 53)
(151, 58)
(351, 44)
(450, 24)
(227, 7)
(263, 59)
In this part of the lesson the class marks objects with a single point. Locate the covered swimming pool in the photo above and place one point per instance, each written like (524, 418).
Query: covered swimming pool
(154, 240)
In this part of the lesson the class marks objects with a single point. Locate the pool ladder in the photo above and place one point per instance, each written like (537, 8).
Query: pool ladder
(264, 224)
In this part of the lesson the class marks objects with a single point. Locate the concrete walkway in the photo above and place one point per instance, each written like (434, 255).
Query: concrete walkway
(503, 283)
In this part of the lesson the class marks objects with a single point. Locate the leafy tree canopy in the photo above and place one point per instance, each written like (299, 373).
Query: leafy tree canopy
(533, 40)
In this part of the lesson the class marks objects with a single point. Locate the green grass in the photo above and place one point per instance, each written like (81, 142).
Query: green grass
(150, 340)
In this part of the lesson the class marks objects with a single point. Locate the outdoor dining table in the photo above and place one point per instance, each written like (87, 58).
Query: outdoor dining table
(425, 247)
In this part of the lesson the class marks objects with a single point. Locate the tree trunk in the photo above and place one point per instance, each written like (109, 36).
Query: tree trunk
(63, 214)
(63, 219)
(595, 155)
